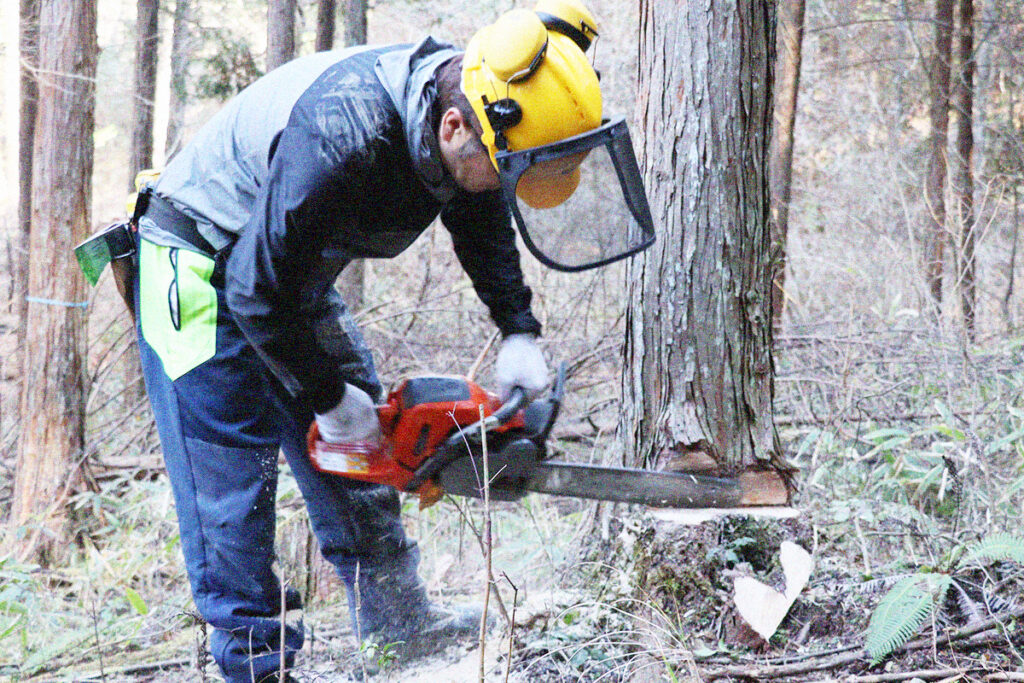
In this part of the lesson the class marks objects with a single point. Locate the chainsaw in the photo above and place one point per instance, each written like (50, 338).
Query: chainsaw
(448, 435)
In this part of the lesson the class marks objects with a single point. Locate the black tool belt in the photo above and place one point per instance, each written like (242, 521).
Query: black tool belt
(163, 213)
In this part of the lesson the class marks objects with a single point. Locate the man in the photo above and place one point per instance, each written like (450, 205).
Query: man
(245, 342)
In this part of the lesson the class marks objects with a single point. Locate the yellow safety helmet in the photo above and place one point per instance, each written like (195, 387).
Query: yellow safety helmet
(530, 84)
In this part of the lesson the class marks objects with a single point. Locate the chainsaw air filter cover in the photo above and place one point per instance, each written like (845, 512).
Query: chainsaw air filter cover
(579, 203)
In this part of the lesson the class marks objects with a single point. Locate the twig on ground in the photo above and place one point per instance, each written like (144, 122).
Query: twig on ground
(512, 626)
(487, 544)
(284, 624)
(924, 674)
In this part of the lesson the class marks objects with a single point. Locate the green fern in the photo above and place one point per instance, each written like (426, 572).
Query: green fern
(902, 611)
(995, 548)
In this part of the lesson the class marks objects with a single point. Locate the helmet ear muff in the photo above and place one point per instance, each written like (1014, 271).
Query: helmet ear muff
(502, 114)
(580, 36)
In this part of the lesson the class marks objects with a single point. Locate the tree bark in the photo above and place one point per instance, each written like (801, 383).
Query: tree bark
(325, 25)
(698, 384)
(53, 395)
(963, 161)
(789, 42)
(181, 57)
(280, 32)
(935, 203)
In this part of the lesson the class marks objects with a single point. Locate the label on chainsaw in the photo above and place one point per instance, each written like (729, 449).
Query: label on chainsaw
(335, 459)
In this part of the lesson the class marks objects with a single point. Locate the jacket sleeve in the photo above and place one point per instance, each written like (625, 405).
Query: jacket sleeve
(485, 245)
(281, 271)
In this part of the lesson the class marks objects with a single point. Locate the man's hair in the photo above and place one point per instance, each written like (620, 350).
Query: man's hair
(449, 93)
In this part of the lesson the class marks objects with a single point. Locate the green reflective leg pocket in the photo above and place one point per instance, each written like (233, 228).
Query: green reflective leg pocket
(177, 306)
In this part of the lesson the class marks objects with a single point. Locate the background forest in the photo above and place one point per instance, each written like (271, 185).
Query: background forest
(898, 384)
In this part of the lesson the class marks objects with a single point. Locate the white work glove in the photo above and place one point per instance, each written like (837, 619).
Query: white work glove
(520, 364)
(353, 420)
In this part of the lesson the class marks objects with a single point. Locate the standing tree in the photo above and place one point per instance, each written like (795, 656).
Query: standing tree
(699, 370)
(355, 22)
(788, 43)
(147, 37)
(935, 184)
(325, 24)
(352, 283)
(280, 32)
(963, 158)
(181, 57)
(698, 379)
(53, 396)
(28, 43)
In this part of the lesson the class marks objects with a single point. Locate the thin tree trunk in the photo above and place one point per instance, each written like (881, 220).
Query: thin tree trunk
(699, 371)
(963, 172)
(789, 41)
(936, 181)
(181, 57)
(325, 24)
(1007, 313)
(147, 40)
(147, 37)
(280, 32)
(53, 388)
(355, 22)
(28, 48)
(352, 283)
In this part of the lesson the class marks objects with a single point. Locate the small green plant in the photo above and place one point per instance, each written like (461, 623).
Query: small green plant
(913, 599)
(384, 655)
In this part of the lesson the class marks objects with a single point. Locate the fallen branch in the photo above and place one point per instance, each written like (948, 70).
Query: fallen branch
(772, 672)
(924, 674)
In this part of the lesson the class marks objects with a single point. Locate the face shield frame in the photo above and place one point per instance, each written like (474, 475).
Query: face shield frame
(612, 134)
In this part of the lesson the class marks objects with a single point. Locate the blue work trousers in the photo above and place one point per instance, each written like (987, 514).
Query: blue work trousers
(222, 419)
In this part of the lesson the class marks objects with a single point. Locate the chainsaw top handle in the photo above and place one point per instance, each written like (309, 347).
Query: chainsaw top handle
(508, 410)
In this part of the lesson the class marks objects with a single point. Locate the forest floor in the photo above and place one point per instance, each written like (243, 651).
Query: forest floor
(910, 449)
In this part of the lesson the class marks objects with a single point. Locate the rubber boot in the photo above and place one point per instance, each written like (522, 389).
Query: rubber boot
(391, 610)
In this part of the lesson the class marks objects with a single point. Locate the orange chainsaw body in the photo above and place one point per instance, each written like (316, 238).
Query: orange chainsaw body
(419, 415)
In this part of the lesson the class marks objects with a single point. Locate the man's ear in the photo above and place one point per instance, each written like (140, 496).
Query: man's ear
(451, 123)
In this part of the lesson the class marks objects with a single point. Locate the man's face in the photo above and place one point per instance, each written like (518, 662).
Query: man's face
(463, 154)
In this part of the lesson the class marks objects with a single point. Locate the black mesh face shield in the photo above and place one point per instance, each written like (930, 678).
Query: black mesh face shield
(599, 212)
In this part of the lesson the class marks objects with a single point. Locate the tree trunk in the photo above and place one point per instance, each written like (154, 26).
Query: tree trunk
(28, 48)
(699, 371)
(355, 22)
(325, 25)
(147, 40)
(935, 203)
(352, 283)
(963, 172)
(789, 41)
(181, 57)
(53, 396)
(280, 32)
